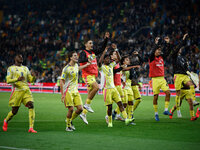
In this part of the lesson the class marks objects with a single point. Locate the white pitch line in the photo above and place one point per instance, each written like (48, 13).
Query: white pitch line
(5, 147)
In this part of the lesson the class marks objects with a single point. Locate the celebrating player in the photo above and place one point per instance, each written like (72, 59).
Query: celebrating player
(110, 92)
(156, 72)
(90, 73)
(181, 77)
(69, 89)
(19, 75)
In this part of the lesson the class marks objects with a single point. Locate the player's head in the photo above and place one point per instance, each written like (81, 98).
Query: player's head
(18, 59)
(106, 60)
(125, 60)
(88, 44)
(73, 56)
(113, 55)
(158, 51)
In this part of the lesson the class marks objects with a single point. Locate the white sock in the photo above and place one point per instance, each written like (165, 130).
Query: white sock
(166, 109)
(156, 113)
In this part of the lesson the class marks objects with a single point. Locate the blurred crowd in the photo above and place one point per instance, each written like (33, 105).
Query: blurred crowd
(45, 31)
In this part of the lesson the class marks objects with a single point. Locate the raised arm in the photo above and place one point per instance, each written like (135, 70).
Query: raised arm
(106, 37)
(102, 56)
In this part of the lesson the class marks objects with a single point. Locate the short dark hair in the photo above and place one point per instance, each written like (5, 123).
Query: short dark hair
(70, 54)
(111, 52)
(123, 58)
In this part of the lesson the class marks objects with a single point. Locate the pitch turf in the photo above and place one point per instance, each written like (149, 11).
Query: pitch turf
(178, 133)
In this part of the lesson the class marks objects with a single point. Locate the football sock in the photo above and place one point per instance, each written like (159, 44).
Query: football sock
(136, 103)
(85, 111)
(124, 114)
(117, 110)
(155, 108)
(110, 119)
(177, 99)
(192, 90)
(88, 101)
(191, 113)
(68, 123)
(166, 105)
(9, 116)
(130, 111)
(31, 117)
(74, 115)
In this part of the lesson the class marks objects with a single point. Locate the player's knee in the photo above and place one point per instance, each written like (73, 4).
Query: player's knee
(80, 109)
(130, 102)
(30, 105)
(15, 110)
(168, 93)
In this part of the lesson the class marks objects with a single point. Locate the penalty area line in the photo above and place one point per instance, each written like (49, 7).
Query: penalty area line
(6, 147)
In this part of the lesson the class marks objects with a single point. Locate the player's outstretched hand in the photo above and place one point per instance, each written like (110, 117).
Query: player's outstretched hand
(156, 40)
(185, 35)
(114, 46)
(62, 98)
(21, 78)
(107, 35)
(167, 39)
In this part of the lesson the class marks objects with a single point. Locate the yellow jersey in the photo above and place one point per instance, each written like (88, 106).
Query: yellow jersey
(126, 75)
(14, 72)
(108, 73)
(70, 75)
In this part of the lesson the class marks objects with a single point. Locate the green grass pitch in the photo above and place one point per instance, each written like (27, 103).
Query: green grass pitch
(177, 134)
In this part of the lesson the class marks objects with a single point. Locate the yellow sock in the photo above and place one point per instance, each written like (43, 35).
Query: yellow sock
(124, 114)
(9, 116)
(31, 117)
(137, 102)
(166, 105)
(117, 110)
(88, 101)
(178, 99)
(192, 90)
(110, 119)
(85, 111)
(68, 123)
(155, 108)
(191, 113)
(74, 115)
(130, 111)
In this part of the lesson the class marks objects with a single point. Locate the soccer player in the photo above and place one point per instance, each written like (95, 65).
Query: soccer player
(134, 75)
(19, 75)
(110, 92)
(69, 89)
(156, 72)
(90, 73)
(185, 93)
(180, 67)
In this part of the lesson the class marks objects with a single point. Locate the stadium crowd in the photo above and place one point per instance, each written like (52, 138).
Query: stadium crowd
(45, 32)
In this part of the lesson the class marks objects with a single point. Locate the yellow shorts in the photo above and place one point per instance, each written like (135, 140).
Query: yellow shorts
(18, 97)
(89, 80)
(185, 94)
(73, 99)
(179, 80)
(136, 92)
(111, 95)
(125, 99)
(129, 94)
(159, 83)
(119, 89)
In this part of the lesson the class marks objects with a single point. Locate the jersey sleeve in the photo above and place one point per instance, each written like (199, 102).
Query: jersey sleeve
(29, 76)
(64, 73)
(9, 77)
